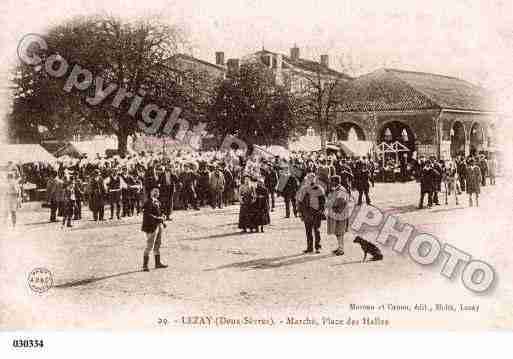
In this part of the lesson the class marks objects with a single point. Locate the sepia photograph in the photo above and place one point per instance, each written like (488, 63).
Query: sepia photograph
(170, 166)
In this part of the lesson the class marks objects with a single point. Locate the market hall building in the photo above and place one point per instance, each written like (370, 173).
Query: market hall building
(432, 115)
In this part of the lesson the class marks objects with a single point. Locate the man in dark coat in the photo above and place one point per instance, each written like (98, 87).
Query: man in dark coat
(372, 168)
(97, 194)
(361, 182)
(437, 184)
(152, 226)
(168, 182)
(289, 194)
(427, 183)
(217, 184)
(271, 181)
(461, 168)
(52, 196)
(483, 166)
(202, 188)
(132, 189)
(474, 179)
(125, 198)
(189, 181)
(311, 199)
(229, 185)
(79, 196)
(114, 189)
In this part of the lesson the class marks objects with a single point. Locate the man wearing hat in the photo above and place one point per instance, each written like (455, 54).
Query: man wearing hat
(152, 226)
(68, 203)
(203, 185)
(229, 184)
(51, 191)
(125, 198)
(474, 178)
(97, 194)
(168, 182)
(271, 181)
(189, 181)
(361, 181)
(217, 183)
(483, 166)
(114, 188)
(311, 199)
(289, 192)
(427, 183)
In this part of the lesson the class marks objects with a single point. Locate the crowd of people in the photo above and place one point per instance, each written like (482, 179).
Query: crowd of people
(156, 185)
(455, 177)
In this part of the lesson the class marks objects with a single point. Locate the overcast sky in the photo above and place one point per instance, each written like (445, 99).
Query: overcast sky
(468, 39)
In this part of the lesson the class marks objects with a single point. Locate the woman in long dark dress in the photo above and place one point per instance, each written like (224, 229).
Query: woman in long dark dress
(247, 198)
(261, 215)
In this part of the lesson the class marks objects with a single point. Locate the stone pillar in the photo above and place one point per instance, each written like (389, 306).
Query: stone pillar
(467, 147)
(438, 135)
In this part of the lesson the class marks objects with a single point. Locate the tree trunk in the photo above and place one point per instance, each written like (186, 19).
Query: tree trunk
(122, 143)
(323, 140)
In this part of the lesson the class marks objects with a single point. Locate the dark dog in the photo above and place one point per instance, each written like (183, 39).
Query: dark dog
(368, 247)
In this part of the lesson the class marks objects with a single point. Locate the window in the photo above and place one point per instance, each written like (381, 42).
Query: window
(266, 60)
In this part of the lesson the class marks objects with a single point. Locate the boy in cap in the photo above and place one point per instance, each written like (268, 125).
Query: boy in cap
(152, 226)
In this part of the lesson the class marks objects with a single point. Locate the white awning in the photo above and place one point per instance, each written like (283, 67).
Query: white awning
(24, 153)
(356, 148)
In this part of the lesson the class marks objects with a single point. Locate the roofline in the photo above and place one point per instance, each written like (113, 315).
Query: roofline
(337, 73)
(477, 112)
(429, 73)
(406, 112)
(468, 111)
(286, 58)
(190, 57)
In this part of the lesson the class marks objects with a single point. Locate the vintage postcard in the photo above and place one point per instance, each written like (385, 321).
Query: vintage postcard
(339, 165)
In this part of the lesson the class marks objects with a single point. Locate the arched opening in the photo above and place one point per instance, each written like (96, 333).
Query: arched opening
(457, 139)
(477, 138)
(397, 131)
(348, 131)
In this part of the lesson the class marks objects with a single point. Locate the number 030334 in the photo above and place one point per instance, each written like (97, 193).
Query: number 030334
(28, 343)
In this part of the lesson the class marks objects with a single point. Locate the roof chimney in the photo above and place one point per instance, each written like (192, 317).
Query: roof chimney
(220, 58)
(294, 53)
(325, 60)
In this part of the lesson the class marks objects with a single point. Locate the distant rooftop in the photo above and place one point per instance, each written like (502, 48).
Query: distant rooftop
(195, 59)
(391, 89)
(307, 65)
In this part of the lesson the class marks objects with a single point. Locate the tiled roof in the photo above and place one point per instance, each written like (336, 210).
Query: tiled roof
(391, 89)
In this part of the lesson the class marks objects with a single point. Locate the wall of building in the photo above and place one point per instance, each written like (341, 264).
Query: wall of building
(431, 128)
(468, 120)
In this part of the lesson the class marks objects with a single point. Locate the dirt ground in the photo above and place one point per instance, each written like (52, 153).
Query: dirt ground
(255, 280)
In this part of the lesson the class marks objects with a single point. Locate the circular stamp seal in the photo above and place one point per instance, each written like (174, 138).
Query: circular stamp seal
(40, 280)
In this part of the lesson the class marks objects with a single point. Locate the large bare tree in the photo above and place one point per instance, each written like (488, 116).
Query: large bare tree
(132, 56)
(322, 91)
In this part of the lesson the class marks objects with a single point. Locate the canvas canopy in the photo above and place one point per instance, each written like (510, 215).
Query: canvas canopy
(306, 144)
(280, 151)
(24, 153)
(356, 148)
(93, 147)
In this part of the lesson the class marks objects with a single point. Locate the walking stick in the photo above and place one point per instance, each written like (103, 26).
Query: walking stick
(446, 192)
